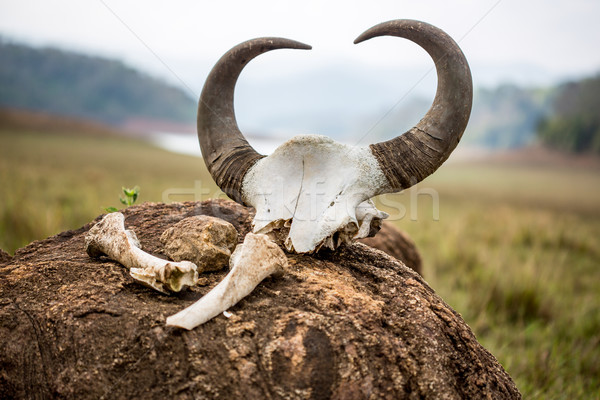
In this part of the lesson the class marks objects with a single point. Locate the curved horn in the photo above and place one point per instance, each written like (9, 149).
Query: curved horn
(226, 152)
(411, 157)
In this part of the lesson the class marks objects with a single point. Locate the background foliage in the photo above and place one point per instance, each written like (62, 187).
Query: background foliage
(574, 124)
(506, 117)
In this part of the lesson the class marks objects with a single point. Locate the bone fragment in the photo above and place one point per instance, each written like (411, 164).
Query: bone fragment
(369, 219)
(109, 237)
(251, 262)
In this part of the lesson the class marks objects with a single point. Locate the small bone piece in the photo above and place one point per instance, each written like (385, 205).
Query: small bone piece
(109, 237)
(251, 262)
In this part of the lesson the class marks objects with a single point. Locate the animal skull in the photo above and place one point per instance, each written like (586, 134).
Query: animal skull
(315, 185)
(318, 188)
(314, 190)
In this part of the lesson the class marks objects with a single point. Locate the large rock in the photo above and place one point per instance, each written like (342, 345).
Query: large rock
(4, 257)
(350, 324)
(204, 240)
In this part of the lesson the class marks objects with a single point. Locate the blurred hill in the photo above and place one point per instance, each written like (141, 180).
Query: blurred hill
(565, 117)
(71, 84)
(345, 102)
(502, 118)
(506, 117)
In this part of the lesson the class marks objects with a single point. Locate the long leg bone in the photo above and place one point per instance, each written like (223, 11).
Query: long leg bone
(109, 237)
(251, 262)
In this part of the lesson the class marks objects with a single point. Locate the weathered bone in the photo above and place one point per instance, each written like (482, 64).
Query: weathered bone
(109, 237)
(251, 262)
(316, 185)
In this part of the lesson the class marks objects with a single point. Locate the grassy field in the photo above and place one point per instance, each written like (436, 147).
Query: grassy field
(53, 182)
(514, 248)
(516, 251)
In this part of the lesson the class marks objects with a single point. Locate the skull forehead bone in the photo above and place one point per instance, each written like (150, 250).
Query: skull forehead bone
(318, 188)
(314, 185)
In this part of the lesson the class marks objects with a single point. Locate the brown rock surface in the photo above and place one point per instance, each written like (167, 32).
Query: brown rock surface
(4, 257)
(354, 324)
(204, 240)
(397, 244)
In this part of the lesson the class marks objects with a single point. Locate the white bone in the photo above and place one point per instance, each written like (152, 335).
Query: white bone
(251, 262)
(315, 185)
(109, 237)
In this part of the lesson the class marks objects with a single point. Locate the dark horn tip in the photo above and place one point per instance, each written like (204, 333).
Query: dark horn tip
(302, 46)
(370, 33)
(364, 36)
(386, 28)
(280, 43)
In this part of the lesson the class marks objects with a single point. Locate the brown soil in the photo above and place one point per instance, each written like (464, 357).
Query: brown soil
(397, 244)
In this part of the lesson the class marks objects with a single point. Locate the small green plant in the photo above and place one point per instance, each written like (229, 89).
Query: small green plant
(131, 196)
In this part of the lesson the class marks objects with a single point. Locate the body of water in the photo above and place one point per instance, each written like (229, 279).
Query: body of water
(188, 144)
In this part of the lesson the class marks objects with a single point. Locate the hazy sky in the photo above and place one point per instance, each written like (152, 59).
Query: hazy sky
(506, 40)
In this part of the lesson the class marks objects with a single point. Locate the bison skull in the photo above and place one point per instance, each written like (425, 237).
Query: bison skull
(315, 186)
(313, 190)
(311, 185)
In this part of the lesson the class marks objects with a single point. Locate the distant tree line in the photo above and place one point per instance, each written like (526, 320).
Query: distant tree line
(66, 83)
(565, 117)
(574, 123)
(502, 118)
(55, 81)
(506, 117)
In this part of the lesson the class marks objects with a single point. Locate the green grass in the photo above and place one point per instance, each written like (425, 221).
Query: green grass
(51, 183)
(515, 249)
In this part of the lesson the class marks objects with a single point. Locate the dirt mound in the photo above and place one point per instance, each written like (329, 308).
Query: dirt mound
(349, 324)
(397, 244)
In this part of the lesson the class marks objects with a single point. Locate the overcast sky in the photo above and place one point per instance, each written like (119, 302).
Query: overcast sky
(506, 40)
